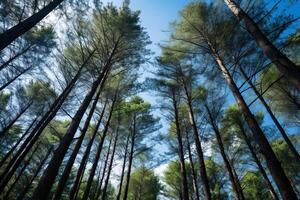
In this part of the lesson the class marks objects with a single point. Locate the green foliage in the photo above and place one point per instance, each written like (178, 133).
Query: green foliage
(254, 186)
(144, 184)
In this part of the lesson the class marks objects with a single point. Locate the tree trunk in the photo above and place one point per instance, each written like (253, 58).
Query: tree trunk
(26, 163)
(123, 168)
(11, 59)
(38, 129)
(85, 157)
(184, 182)
(130, 160)
(71, 160)
(46, 182)
(7, 155)
(194, 174)
(233, 179)
(104, 193)
(15, 78)
(276, 122)
(104, 168)
(289, 69)
(13, 33)
(273, 163)
(203, 173)
(99, 149)
(6, 129)
(258, 163)
(23, 193)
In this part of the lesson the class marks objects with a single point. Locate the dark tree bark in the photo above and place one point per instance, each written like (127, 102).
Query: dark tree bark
(6, 129)
(38, 129)
(233, 179)
(15, 78)
(183, 173)
(276, 122)
(27, 187)
(13, 33)
(104, 192)
(26, 163)
(11, 59)
(123, 168)
(71, 160)
(273, 163)
(200, 154)
(133, 133)
(258, 163)
(98, 153)
(104, 169)
(85, 157)
(289, 69)
(194, 174)
(7, 155)
(46, 182)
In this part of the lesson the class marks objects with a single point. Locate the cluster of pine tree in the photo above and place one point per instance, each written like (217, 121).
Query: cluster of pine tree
(73, 126)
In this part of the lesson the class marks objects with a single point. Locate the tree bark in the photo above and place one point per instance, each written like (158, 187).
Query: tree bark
(6, 129)
(38, 129)
(273, 163)
(45, 184)
(276, 122)
(13, 33)
(258, 163)
(289, 69)
(26, 163)
(123, 168)
(85, 157)
(104, 193)
(7, 155)
(233, 179)
(99, 149)
(203, 172)
(184, 182)
(194, 174)
(23, 193)
(130, 160)
(71, 160)
(104, 168)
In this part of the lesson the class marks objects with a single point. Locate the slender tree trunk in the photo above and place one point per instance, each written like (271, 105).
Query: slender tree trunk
(123, 168)
(71, 160)
(26, 163)
(7, 155)
(45, 184)
(104, 193)
(38, 129)
(15, 78)
(23, 193)
(13, 33)
(99, 149)
(230, 168)
(85, 157)
(258, 163)
(200, 154)
(194, 174)
(276, 122)
(289, 69)
(6, 129)
(76, 184)
(130, 160)
(273, 163)
(6, 63)
(184, 182)
(104, 168)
